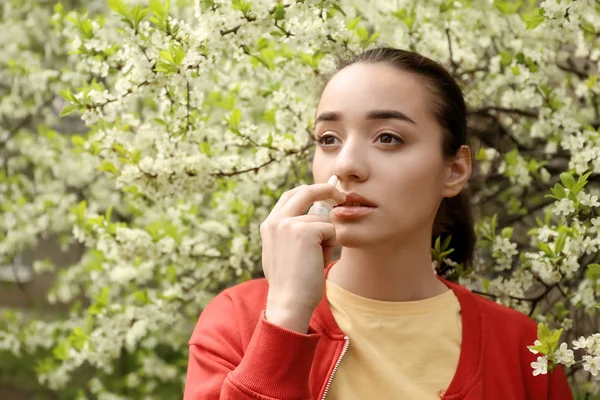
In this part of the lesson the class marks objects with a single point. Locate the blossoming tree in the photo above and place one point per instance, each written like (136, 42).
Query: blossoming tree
(160, 134)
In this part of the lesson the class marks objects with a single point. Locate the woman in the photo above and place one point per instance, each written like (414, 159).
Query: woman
(378, 324)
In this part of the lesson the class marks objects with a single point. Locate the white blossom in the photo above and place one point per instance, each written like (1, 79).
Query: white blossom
(540, 366)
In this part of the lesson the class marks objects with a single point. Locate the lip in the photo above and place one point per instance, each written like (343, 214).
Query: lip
(356, 198)
(351, 212)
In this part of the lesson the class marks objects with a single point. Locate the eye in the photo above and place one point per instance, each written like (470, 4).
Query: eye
(391, 136)
(323, 138)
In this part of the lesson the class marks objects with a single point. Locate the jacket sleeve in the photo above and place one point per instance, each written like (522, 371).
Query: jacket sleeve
(558, 386)
(275, 365)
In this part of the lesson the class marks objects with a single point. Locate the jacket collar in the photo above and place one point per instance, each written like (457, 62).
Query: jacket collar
(467, 371)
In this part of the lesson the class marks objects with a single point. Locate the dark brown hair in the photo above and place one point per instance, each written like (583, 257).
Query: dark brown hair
(455, 215)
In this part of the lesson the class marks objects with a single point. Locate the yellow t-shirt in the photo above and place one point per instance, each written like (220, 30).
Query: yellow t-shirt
(398, 350)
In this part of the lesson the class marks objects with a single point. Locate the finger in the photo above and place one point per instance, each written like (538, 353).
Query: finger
(313, 218)
(301, 201)
(328, 252)
(286, 197)
(324, 230)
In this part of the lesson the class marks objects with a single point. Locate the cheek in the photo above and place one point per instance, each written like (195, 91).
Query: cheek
(418, 188)
(421, 171)
(318, 168)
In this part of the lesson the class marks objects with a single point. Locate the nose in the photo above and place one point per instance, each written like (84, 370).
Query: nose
(351, 162)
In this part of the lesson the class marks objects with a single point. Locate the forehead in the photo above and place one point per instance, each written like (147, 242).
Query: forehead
(360, 88)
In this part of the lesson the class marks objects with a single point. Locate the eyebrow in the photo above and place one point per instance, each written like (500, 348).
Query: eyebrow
(371, 115)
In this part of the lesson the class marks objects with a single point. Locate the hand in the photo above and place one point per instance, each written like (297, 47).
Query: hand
(295, 250)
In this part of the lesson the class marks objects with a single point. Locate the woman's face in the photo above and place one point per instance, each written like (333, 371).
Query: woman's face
(392, 157)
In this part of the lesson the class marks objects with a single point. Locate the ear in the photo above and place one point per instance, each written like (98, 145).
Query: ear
(457, 172)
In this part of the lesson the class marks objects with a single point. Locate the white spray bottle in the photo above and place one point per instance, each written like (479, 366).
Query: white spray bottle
(325, 206)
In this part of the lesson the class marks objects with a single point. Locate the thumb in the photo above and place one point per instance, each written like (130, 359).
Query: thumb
(329, 247)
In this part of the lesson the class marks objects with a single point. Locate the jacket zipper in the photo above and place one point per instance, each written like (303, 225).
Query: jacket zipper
(337, 364)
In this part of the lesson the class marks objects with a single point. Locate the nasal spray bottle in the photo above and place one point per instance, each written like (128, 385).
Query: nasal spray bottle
(325, 206)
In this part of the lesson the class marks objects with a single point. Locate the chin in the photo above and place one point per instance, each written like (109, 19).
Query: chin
(354, 237)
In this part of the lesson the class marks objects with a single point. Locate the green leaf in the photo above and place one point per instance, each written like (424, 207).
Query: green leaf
(352, 24)
(446, 242)
(131, 189)
(362, 33)
(157, 8)
(447, 5)
(594, 268)
(567, 180)
(167, 56)
(67, 95)
(104, 296)
(533, 18)
(142, 296)
(61, 351)
(554, 102)
(205, 148)
(506, 58)
(236, 117)
(125, 160)
(553, 340)
(78, 338)
(407, 18)
(279, 12)
(543, 332)
(591, 82)
(545, 248)
(581, 183)
(512, 157)
(86, 28)
(588, 27)
(135, 156)
(559, 244)
(119, 7)
(372, 38)
(178, 54)
(508, 7)
(264, 62)
(507, 232)
(337, 7)
(485, 284)
(108, 213)
(542, 348)
(138, 14)
(45, 365)
(167, 68)
(269, 55)
(77, 140)
(119, 148)
(558, 192)
(241, 5)
(108, 167)
(68, 110)
(171, 273)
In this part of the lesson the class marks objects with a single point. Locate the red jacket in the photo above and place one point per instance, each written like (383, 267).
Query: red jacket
(235, 353)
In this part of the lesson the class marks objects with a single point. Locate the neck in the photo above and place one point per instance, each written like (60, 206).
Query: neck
(389, 271)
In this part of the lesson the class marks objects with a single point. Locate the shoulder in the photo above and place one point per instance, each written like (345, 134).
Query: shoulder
(505, 321)
(247, 295)
(236, 308)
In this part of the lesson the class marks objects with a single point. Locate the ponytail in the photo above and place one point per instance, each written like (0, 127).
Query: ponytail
(455, 217)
